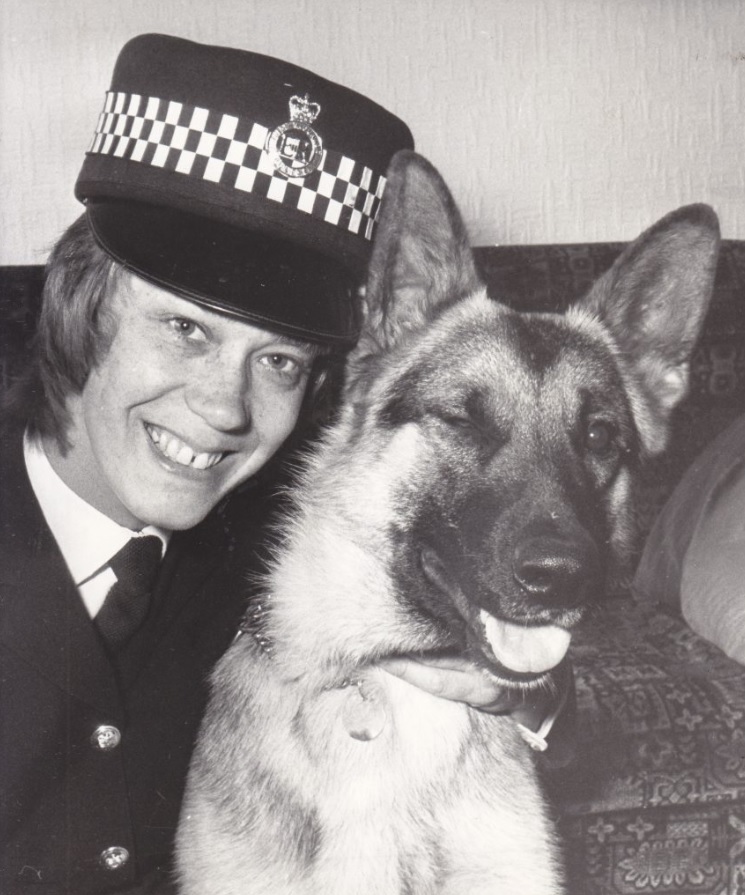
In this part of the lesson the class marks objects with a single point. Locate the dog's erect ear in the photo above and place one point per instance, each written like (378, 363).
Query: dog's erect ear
(654, 300)
(421, 259)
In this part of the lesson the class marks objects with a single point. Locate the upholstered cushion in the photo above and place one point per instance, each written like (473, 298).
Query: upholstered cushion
(694, 558)
(712, 588)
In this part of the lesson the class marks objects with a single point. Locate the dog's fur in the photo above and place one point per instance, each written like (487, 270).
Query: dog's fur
(481, 469)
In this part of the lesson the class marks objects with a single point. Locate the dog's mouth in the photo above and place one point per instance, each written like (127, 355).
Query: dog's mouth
(523, 649)
(519, 652)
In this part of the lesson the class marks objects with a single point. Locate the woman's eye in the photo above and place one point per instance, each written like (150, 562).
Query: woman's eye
(185, 328)
(280, 362)
(600, 438)
(289, 368)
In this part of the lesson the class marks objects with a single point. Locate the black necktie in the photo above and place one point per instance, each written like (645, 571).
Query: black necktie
(128, 601)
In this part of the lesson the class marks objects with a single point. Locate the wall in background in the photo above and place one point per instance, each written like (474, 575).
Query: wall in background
(552, 120)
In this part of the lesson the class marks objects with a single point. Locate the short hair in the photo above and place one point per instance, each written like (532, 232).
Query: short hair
(70, 336)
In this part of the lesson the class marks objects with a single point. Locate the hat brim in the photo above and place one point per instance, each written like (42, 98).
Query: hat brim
(269, 282)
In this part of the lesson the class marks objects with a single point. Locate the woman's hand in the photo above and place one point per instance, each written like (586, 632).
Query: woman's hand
(549, 709)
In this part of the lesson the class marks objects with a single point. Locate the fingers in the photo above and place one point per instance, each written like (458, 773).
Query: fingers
(458, 679)
(452, 678)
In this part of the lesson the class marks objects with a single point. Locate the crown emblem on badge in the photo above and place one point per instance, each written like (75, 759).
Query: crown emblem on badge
(301, 109)
(295, 148)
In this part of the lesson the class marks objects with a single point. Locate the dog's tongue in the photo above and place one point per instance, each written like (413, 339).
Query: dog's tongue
(525, 649)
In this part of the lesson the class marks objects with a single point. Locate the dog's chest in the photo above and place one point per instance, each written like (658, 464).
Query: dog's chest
(399, 776)
(377, 723)
(379, 747)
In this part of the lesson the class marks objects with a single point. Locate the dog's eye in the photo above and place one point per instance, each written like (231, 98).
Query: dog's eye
(458, 422)
(600, 437)
(461, 423)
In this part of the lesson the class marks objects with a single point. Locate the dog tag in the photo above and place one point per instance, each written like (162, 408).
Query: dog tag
(364, 714)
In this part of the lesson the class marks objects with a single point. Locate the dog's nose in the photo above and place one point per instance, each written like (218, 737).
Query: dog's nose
(555, 571)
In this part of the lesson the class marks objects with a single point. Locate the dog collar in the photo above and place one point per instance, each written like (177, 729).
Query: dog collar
(252, 624)
(364, 712)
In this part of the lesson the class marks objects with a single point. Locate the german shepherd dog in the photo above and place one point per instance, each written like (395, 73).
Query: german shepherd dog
(470, 499)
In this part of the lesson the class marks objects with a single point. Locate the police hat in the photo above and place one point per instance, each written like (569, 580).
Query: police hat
(240, 181)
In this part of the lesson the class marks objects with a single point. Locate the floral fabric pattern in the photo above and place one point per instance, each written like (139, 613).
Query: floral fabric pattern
(655, 800)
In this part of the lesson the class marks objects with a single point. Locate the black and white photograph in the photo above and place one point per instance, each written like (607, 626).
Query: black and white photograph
(372, 447)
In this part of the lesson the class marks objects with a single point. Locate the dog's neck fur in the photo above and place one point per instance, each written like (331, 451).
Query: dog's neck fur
(322, 570)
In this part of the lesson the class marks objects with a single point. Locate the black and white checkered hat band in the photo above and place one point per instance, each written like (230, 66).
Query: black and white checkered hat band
(224, 149)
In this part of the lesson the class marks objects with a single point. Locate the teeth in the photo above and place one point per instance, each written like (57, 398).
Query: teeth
(202, 461)
(181, 453)
(184, 456)
(170, 448)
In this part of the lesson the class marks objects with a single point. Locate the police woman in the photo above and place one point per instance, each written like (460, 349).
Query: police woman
(188, 318)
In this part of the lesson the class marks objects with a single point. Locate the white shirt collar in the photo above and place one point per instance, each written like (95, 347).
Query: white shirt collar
(86, 537)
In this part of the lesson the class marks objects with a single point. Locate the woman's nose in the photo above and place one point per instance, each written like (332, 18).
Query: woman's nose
(220, 394)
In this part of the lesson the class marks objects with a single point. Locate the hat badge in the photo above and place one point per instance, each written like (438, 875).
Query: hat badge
(295, 148)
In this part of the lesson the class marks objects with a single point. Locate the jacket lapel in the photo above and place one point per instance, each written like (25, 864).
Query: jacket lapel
(190, 561)
(204, 578)
(42, 618)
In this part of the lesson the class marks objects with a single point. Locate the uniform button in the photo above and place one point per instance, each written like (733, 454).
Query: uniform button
(113, 858)
(106, 737)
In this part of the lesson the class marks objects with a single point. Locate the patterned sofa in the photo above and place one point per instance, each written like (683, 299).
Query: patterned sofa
(655, 800)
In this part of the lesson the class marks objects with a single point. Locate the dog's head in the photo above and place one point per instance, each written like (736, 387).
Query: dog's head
(511, 441)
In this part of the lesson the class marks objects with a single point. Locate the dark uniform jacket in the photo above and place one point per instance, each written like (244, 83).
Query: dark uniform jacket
(92, 757)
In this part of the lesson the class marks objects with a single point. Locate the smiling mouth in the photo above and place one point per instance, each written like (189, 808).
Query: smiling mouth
(179, 452)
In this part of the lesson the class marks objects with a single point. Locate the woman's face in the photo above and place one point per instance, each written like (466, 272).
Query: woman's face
(185, 405)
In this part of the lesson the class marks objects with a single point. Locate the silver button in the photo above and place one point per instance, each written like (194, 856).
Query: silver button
(106, 737)
(113, 858)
